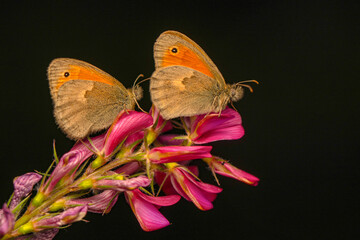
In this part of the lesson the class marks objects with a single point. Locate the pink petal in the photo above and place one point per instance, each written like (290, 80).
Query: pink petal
(155, 113)
(203, 186)
(100, 203)
(179, 186)
(178, 153)
(126, 124)
(122, 185)
(23, 185)
(133, 138)
(208, 191)
(201, 194)
(84, 145)
(240, 175)
(66, 217)
(167, 187)
(194, 170)
(67, 164)
(171, 185)
(128, 169)
(212, 127)
(168, 139)
(148, 215)
(47, 234)
(70, 161)
(230, 133)
(159, 201)
(7, 220)
(209, 196)
(197, 196)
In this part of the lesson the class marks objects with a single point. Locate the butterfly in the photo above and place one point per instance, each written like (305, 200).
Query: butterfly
(186, 82)
(86, 99)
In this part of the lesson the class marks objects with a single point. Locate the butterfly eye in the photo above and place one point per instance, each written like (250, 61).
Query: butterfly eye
(174, 50)
(66, 74)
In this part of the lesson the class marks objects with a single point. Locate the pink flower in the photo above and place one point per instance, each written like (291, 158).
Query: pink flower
(146, 210)
(128, 168)
(47, 234)
(159, 124)
(104, 201)
(122, 185)
(99, 203)
(224, 168)
(212, 127)
(185, 184)
(132, 141)
(71, 161)
(127, 123)
(170, 139)
(66, 217)
(7, 220)
(178, 153)
(23, 185)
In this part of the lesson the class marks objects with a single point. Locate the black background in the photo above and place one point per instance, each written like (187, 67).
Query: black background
(302, 133)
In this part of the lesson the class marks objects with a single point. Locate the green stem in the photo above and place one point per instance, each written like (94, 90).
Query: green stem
(66, 190)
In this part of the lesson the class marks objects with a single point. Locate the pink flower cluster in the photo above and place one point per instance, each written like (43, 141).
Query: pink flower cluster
(137, 152)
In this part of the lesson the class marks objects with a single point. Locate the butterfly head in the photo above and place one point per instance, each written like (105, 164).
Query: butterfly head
(236, 92)
(137, 92)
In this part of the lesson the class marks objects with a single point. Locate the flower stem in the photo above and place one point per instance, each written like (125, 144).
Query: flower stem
(66, 190)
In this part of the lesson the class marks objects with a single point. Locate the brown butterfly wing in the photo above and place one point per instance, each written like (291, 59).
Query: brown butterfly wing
(182, 91)
(62, 70)
(187, 54)
(86, 99)
(84, 107)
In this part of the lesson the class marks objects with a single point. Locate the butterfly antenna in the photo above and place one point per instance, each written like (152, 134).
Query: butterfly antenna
(144, 80)
(133, 90)
(134, 84)
(232, 104)
(244, 85)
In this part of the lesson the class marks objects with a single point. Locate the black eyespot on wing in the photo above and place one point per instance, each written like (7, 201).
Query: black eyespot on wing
(66, 74)
(174, 50)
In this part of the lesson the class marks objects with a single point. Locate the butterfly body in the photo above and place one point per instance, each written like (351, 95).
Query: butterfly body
(186, 82)
(86, 99)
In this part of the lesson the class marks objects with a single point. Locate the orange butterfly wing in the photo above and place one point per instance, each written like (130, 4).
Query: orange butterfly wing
(184, 57)
(80, 72)
(86, 99)
(175, 49)
(62, 70)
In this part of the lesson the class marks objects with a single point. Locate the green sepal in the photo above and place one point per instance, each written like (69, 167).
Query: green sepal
(26, 228)
(38, 199)
(16, 211)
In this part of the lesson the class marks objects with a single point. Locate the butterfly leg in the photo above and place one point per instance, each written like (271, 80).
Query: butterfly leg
(232, 104)
(125, 109)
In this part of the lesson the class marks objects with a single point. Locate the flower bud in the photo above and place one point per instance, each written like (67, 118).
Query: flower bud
(23, 185)
(7, 220)
(67, 217)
